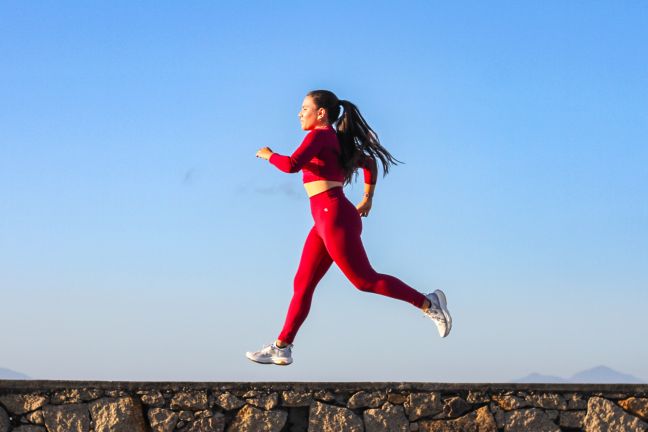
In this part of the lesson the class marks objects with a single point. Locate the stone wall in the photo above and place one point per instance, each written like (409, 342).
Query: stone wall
(60, 406)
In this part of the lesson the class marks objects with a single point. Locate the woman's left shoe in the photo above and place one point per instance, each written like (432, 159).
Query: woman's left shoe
(438, 312)
(272, 354)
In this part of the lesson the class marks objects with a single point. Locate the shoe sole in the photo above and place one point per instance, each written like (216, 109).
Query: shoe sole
(270, 361)
(444, 308)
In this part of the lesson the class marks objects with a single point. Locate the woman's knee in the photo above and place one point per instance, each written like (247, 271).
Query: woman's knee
(366, 284)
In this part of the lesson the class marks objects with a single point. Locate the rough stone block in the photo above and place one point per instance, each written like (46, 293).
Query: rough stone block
(162, 420)
(153, 399)
(324, 395)
(4, 421)
(478, 397)
(636, 406)
(572, 419)
(265, 401)
(575, 401)
(66, 418)
(455, 406)
(190, 400)
(117, 415)
(396, 398)
(203, 414)
(209, 424)
(23, 403)
(552, 401)
(229, 402)
(251, 419)
(291, 398)
(604, 415)
(363, 399)
(529, 419)
(75, 395)
(420, 405)
(510, 402)
(389, 418)
(480, 420)
(328, 418)
(186, 415)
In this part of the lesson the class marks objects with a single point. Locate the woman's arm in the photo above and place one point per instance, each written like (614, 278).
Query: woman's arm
(370, 170)
(310, 147)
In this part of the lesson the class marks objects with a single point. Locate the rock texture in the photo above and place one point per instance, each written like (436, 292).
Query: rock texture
(162, 420)
(423, 405)
(22, 403)
(296, 399)
(67, 418)
(251, 419)
(4, 421)
(636, 406)
(480, 420)
(316, 407)
(229, 402)
(365, 399)
(604, 415)
(328, 418)
(529, 419)
(572, 419)
(208, 424)
(389, 418)
(117, 415)
(190, 401)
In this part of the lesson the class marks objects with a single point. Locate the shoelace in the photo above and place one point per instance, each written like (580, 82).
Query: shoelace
(267, 348)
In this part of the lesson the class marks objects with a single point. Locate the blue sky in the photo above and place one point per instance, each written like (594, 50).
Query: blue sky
(140, 238)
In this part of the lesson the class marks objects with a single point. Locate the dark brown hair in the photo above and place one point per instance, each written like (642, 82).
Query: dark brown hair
(357, 139)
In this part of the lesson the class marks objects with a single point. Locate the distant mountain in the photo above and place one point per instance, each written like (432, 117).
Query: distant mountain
(12, 375)
(596, 375)
(605, 375)
(538, 378)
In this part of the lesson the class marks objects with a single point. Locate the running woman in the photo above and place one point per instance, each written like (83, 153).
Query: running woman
(328, 158)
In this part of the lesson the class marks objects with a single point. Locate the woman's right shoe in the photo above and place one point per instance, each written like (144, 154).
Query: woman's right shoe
(272, 354)
(439, 313)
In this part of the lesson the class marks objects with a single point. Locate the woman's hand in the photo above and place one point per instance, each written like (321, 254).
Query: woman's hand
(264, 153)
(364, 207)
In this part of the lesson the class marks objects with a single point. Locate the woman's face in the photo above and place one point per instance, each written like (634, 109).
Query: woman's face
(310, 116)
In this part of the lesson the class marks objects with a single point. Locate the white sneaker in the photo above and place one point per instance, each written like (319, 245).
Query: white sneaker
(438, 312)
(272, 354)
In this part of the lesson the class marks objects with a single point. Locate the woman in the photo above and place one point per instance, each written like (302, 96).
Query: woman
(328, 158)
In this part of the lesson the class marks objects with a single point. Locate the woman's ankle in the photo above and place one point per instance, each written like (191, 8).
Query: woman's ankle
(281, 344)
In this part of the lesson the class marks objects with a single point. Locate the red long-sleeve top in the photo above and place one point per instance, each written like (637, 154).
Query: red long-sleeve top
(317, 157)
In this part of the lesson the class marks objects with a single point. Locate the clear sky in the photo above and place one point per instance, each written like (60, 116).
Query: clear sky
(141, 239)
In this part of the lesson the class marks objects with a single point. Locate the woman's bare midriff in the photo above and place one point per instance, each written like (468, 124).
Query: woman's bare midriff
(319, 186)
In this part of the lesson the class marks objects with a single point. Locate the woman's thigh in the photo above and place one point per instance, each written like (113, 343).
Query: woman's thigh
(314, 262)
(342, 237)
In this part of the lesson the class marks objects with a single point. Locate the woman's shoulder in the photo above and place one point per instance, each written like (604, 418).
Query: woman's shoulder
(321, 134)
(318, 131)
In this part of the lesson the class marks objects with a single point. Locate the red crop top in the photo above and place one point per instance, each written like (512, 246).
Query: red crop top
(317, 157)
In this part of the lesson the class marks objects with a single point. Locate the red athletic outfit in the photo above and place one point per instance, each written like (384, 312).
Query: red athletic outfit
(335, 236)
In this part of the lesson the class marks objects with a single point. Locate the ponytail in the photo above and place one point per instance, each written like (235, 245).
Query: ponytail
(357, 139)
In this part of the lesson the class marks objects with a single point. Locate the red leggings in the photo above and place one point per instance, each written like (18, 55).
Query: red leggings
(336, 237)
